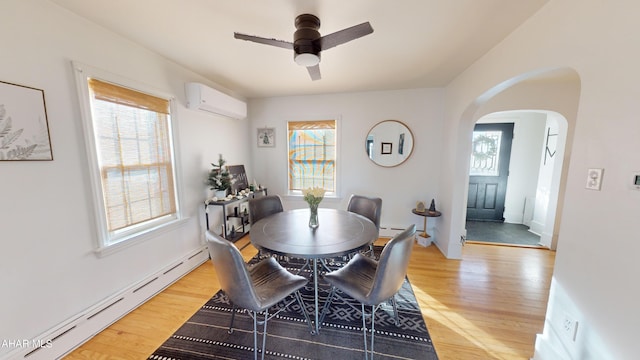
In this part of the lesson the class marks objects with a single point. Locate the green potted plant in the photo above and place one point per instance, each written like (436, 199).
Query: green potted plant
(219, 178)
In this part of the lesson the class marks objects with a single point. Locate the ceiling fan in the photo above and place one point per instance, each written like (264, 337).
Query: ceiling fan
(308, 44)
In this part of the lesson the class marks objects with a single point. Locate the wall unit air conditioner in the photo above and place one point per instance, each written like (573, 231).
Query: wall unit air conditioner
(202, 97)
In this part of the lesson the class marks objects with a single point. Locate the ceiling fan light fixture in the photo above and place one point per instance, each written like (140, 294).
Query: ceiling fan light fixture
(308, 43)
(307, 59)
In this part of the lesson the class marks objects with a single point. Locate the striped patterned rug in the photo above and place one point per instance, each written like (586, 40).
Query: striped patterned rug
(205, 336)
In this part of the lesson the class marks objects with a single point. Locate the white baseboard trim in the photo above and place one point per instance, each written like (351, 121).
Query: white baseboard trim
(67, 336)
(390, 230)
(545, 350)
(536, 227)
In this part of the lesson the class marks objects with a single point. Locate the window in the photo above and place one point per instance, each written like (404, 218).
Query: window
(485, 153)
(130, 145)
(312, 155)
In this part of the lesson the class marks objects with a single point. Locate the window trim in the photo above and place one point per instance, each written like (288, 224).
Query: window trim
(297, 194)
(105, 243)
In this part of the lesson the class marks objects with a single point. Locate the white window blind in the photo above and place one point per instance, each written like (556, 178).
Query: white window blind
(312, 154)
(133, 145)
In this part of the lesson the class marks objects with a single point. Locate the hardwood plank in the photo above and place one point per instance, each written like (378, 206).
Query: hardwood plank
(489, 305)
(474, 307)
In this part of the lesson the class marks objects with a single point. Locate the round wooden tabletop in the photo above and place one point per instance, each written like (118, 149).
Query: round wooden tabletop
(427, 213)
(288, 233)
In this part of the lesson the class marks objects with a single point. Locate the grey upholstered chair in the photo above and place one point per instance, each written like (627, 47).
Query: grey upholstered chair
(369, 207)
(264, 206)
(373, 282)
(255, 288)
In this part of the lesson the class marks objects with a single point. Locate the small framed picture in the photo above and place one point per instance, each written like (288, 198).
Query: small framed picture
(386, 148)
(267, 137)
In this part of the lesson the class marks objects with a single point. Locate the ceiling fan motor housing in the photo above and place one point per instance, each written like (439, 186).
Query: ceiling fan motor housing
(304, 39)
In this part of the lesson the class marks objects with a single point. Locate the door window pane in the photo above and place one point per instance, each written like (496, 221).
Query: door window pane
(485, 153)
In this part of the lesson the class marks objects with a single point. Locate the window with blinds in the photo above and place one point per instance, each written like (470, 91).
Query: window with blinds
(312, 154)
(133, 145)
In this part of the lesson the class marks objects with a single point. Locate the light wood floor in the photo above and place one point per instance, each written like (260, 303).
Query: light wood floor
(490, 305)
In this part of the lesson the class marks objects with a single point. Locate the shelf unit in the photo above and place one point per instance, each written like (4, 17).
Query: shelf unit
(232, 209)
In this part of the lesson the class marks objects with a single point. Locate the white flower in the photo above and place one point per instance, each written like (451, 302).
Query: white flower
(314, 195)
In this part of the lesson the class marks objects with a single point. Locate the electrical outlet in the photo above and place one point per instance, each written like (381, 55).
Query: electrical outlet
(594, 179)
(569, 327)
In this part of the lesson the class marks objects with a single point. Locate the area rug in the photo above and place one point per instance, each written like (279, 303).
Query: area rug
(205, 335)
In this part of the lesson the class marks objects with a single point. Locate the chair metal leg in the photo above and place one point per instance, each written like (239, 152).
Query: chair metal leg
(364, 333)
(371, 252)
(324, 265)
(255, 335)
(264, 332)
(373, 327)
(395, 310)
(233, 316)
(307, 264)
(368, 351)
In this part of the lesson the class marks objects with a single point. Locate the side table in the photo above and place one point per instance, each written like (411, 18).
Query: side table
(426, 214)
(237, 213)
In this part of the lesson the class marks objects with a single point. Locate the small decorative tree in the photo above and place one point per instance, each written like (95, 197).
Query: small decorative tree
(219, 177)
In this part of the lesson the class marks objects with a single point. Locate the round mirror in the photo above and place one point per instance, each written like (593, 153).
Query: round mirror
(389, 143)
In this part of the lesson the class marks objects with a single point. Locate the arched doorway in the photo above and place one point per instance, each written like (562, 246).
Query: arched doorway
(552, 90)
(529, 195)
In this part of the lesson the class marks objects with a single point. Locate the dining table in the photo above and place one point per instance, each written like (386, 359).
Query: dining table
(339, 233)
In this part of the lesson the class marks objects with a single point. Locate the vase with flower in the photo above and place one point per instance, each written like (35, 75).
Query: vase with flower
(220, 179)
(313, 197)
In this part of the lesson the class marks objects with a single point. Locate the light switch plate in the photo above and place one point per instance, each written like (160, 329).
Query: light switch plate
(594, 179)
(635, 180)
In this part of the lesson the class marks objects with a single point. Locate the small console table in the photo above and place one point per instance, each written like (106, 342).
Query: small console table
(426, 214)
(234, 208)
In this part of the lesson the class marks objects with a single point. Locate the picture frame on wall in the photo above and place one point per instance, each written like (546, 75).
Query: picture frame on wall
(267, 137)
(24, 128)
(386, 148)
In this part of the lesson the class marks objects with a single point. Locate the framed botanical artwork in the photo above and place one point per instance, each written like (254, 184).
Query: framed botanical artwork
(386, 148)
(267, 137)
(24, 129)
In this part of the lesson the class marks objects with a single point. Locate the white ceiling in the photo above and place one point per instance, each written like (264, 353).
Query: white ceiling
(415, 43)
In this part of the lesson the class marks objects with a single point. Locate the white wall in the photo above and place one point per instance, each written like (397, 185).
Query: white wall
(545, 175)
(595, 265)
(48, 270)
(399, 187)
(546, 203)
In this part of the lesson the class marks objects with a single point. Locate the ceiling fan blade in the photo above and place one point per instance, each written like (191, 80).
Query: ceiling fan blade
(266, 41)
(314, 72)
(345, 35)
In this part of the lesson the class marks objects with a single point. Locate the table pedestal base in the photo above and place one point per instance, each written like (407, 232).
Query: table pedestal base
(424, 233)
(315, 288)
(425, 215)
